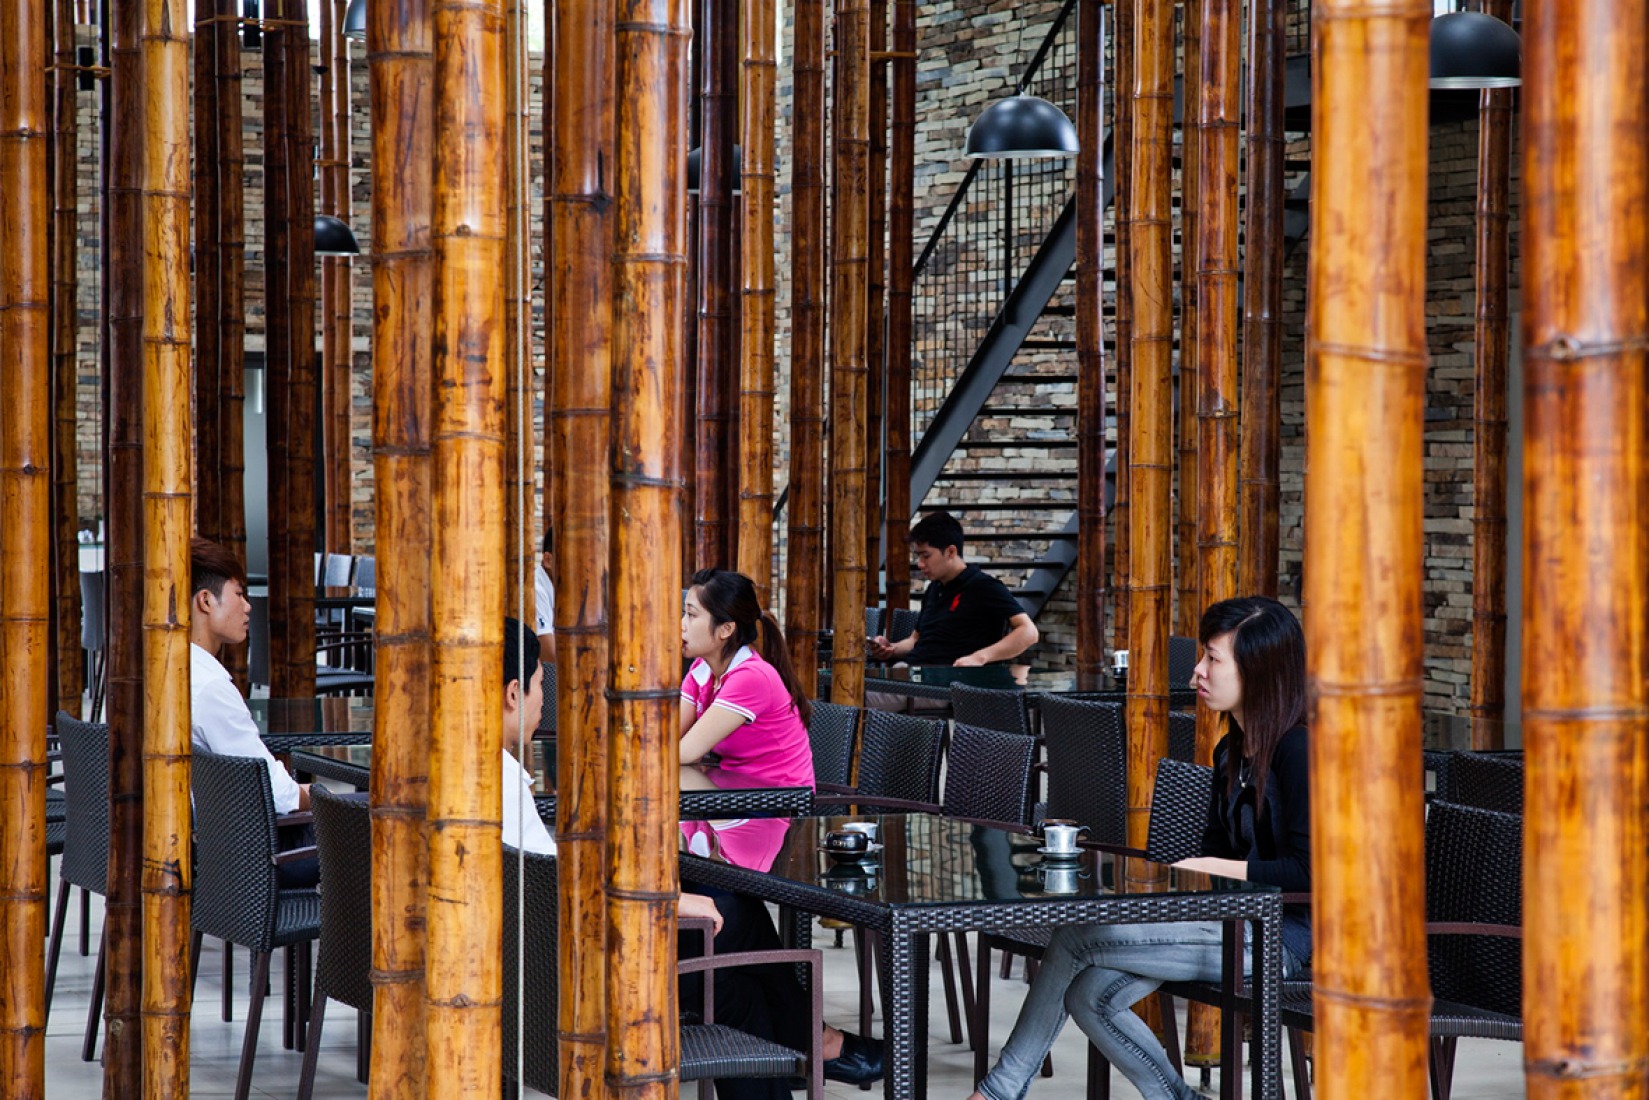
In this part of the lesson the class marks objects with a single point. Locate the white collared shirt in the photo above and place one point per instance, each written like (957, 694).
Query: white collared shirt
(219, 722)
(523, 828)
(544, 603)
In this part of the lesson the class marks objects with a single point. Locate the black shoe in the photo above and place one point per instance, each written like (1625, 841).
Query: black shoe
(859, 1063)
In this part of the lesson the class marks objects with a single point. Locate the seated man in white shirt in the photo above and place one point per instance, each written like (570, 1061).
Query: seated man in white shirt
(523, 828)
(219, 721)
(544, 596)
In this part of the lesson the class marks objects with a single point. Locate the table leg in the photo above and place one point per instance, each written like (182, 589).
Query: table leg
(1230, 1019)
(904, 996)
(1267, 987)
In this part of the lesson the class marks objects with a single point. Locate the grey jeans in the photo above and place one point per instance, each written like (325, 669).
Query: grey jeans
(1094, 973)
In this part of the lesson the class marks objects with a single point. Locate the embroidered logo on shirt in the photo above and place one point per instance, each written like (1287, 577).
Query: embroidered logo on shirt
(956, 601)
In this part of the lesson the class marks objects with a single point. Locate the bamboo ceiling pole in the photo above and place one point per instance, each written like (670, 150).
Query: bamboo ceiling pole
(1090, 336)
(122, 924)
(1584, 568)
(901, 277)
(70, 660)
(1492, 340)
(25, 538)
(1122, 145)
(757, 213)
(336, 301)
(521, 542)
(804, 543)
(1260, 419)
(849, 299)
(463, 962)
(1365, 401)
(1188, 605)
(876, 306)
(649, 312)
(714, 534)
(168, 517)
(1150, 432)
(401, 68)
(579, 112)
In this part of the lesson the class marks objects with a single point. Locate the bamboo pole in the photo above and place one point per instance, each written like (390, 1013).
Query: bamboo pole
(1090, 335)
(401, 67)
(1188, 605)
(1365, 402)
(848, 304)
(1122, 219)
(208, 281)
(715, 538)
(876, 305)
(289, 349)
(520, 544)
(25, 538)
(168, 517)
(901, 277)
(1260, 418)
(1584, 567)
(1150, 431)
(336, 301)
(804, 554)
(122, 927)
(579, 109)
(463, 966)
(757, 213)
(649, 301)
(70, 659)
(1489, 361)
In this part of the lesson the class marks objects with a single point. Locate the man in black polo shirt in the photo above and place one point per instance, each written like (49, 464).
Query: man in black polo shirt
(968, 616)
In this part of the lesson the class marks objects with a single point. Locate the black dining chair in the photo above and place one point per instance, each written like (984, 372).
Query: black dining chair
(85, 749)
(901, 623)
(990, 708)
(831, 731)
(343, 963)
(1182, 659)
(1487, 780)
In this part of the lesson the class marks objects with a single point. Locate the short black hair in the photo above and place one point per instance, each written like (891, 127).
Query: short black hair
(548, 545)
(210, 565)
(521, 652)
(938, 530)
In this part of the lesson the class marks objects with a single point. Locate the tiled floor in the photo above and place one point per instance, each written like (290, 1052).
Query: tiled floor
(1485, 1070)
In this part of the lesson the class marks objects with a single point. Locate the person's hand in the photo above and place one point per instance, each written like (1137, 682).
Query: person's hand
(968, 660)
(697, 905)
(879, 647)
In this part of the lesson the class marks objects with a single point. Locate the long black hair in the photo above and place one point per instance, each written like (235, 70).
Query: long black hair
(1269, 648)
(729, 597)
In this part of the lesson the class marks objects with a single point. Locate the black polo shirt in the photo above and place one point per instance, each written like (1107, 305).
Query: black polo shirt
(962, 617)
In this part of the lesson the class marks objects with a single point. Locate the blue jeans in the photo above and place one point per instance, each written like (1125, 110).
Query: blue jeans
(1095, 973)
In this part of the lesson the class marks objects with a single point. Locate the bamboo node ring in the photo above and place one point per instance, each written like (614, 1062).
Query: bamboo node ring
(1573, 1069)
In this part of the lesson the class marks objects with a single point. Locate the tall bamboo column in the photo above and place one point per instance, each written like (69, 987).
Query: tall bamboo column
(850, 229)
(168, 517)
(463, 977)
(1365, 402)
(289, 348)
(804, 554)
(521, 542)
(649, 302)
(1584, 567)
(25, 538)
(122, 927)
(757, 213)
(579, 112)
(901, 255)
(70, 662)
(1492, 335)
(1188, 605)
(336, 301)
(715, 536)
(401, 65)
(1122, 220)
(1150, 430)
(1090, 335)
(876, 304)
(1262, 301)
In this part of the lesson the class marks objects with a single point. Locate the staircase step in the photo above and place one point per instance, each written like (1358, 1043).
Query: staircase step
(1048, 345)
(1026, 410)
(1022, 444)
(1040, 379)
(1015, 564)
(1007, 475)
(964, 508)
(1017, 536)
(1053, 310)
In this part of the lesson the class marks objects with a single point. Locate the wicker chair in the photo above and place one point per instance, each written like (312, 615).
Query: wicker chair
(1182, 658)
(236, 897)
(830, 730)
(1182, 735)
(873, 621)
(1087, 765)
(85, 748)
(708, 1050)
(987, 775)
(899, 757)
(1487, 780)
(990, 708)
(343, 965)
(901, 623)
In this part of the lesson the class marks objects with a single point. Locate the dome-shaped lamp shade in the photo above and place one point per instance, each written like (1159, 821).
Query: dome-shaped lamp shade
(1472, 50)
(695, 157)
(1022, 126)
(355, 21)
(333, 238)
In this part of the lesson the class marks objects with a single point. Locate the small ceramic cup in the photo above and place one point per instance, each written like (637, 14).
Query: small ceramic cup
(1060, 880)
(1119, 661)
(846, 842)
(870, 829)
(1059, 835)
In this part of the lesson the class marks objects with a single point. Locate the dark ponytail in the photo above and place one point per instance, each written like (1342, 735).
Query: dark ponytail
(729, 597)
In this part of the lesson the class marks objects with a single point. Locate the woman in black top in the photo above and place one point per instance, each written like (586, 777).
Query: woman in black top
(1259, 819)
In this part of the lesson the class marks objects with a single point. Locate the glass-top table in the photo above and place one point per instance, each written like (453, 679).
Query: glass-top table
(287, 724)
(935, 875)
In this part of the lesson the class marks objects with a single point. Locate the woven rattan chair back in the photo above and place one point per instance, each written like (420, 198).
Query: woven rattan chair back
(990, 708)
(1087, 765)
(873, 621)
(235, 891)
(830, 730)
(1179, 810)
(1474, 874)
(988, 775)
(1182, 735)
(547, 718)
(1487, 780)
(899, 756)
(901, 623)
(1182, 658)
(343, 837)
(541, 1045)
(85, 748)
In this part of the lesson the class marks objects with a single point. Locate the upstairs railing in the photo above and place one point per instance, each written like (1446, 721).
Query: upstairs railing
(989, 232)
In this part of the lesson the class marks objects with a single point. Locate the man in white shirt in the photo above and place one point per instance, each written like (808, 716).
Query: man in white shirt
(523, 828)
(544, 596)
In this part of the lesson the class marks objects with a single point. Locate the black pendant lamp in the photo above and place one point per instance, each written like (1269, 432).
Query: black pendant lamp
(333, 237)
(1471, 50)
(1022, 127)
